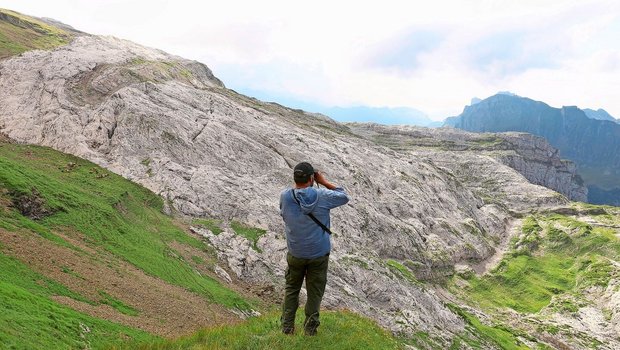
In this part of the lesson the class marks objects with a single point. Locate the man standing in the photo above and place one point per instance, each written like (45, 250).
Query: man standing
(305, 211)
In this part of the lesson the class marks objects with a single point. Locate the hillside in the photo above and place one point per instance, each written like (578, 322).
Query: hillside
(594, 145)
(19, 33)
(427, 207)
(74, 236)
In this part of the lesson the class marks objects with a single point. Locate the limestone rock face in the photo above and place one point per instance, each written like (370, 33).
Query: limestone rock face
(532, 156)
(592, 142)
(541, 164)
(170, 125)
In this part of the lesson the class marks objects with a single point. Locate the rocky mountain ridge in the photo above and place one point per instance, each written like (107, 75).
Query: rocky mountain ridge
(599, 114)
(170, 125)
(530, 155)
(592, 144)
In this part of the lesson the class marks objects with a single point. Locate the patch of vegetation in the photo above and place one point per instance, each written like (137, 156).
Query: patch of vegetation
(15, 273)
(357, 261)
(136, 61)
(69, 271)
(571, 223)
(569, 256)
(524, 283)
(198, 260)
(499, 336)
(251, 233)
(338, 330)
(213, 225)
(594, 271)
(19, 33)
(530, 226)
(566, 304)
(422, 340)
(186, 73)
(117, 304)
(30, 319)
(401, 270)
(170, 137)
(490, 142)
(143, 70)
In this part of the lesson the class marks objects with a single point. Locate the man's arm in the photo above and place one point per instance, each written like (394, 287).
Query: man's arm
(320, 179)
(336, 196)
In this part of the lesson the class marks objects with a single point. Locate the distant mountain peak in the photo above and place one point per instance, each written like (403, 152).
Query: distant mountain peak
(476, 100)
(599, 114)
(506, 93)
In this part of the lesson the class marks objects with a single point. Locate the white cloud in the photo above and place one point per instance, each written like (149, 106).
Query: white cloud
(433, 56)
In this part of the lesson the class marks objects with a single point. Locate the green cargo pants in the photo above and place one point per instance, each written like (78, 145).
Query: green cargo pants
(315, 272)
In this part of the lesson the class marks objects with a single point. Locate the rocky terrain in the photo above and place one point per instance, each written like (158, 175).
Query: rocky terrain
(530, 155)
(425, 203)
(591, 143)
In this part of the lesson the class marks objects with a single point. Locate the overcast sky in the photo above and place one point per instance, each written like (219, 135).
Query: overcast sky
(430, 55)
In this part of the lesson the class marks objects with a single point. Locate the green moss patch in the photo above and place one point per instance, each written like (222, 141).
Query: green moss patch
(249, 232)
(213, 225)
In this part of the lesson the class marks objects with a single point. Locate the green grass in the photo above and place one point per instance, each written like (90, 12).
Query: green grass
(339, 330)
(486, 142)
(117, 304)
(15, 273)
(251, 233)
(499, 336)
(213, 225)
(29, 319)
(401, 270)
(566, 256)
(524, 283)
(198, 260)
(22, 33)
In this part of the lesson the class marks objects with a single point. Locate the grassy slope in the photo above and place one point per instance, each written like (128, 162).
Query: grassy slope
(119, 216)
(555, 258)
(564, 256)
(339, 331)
(29, 319)
(20, 33)
(112, 213)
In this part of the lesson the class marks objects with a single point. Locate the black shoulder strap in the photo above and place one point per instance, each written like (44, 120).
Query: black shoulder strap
(325, 228)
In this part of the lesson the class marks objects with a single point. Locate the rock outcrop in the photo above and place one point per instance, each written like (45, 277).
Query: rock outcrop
(594, 145)
(530, 155)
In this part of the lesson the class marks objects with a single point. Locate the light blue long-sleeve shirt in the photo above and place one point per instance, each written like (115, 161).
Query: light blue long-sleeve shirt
(304, 237)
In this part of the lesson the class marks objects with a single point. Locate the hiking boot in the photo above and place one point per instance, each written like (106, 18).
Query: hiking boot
(288, 330)
(310, 332)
